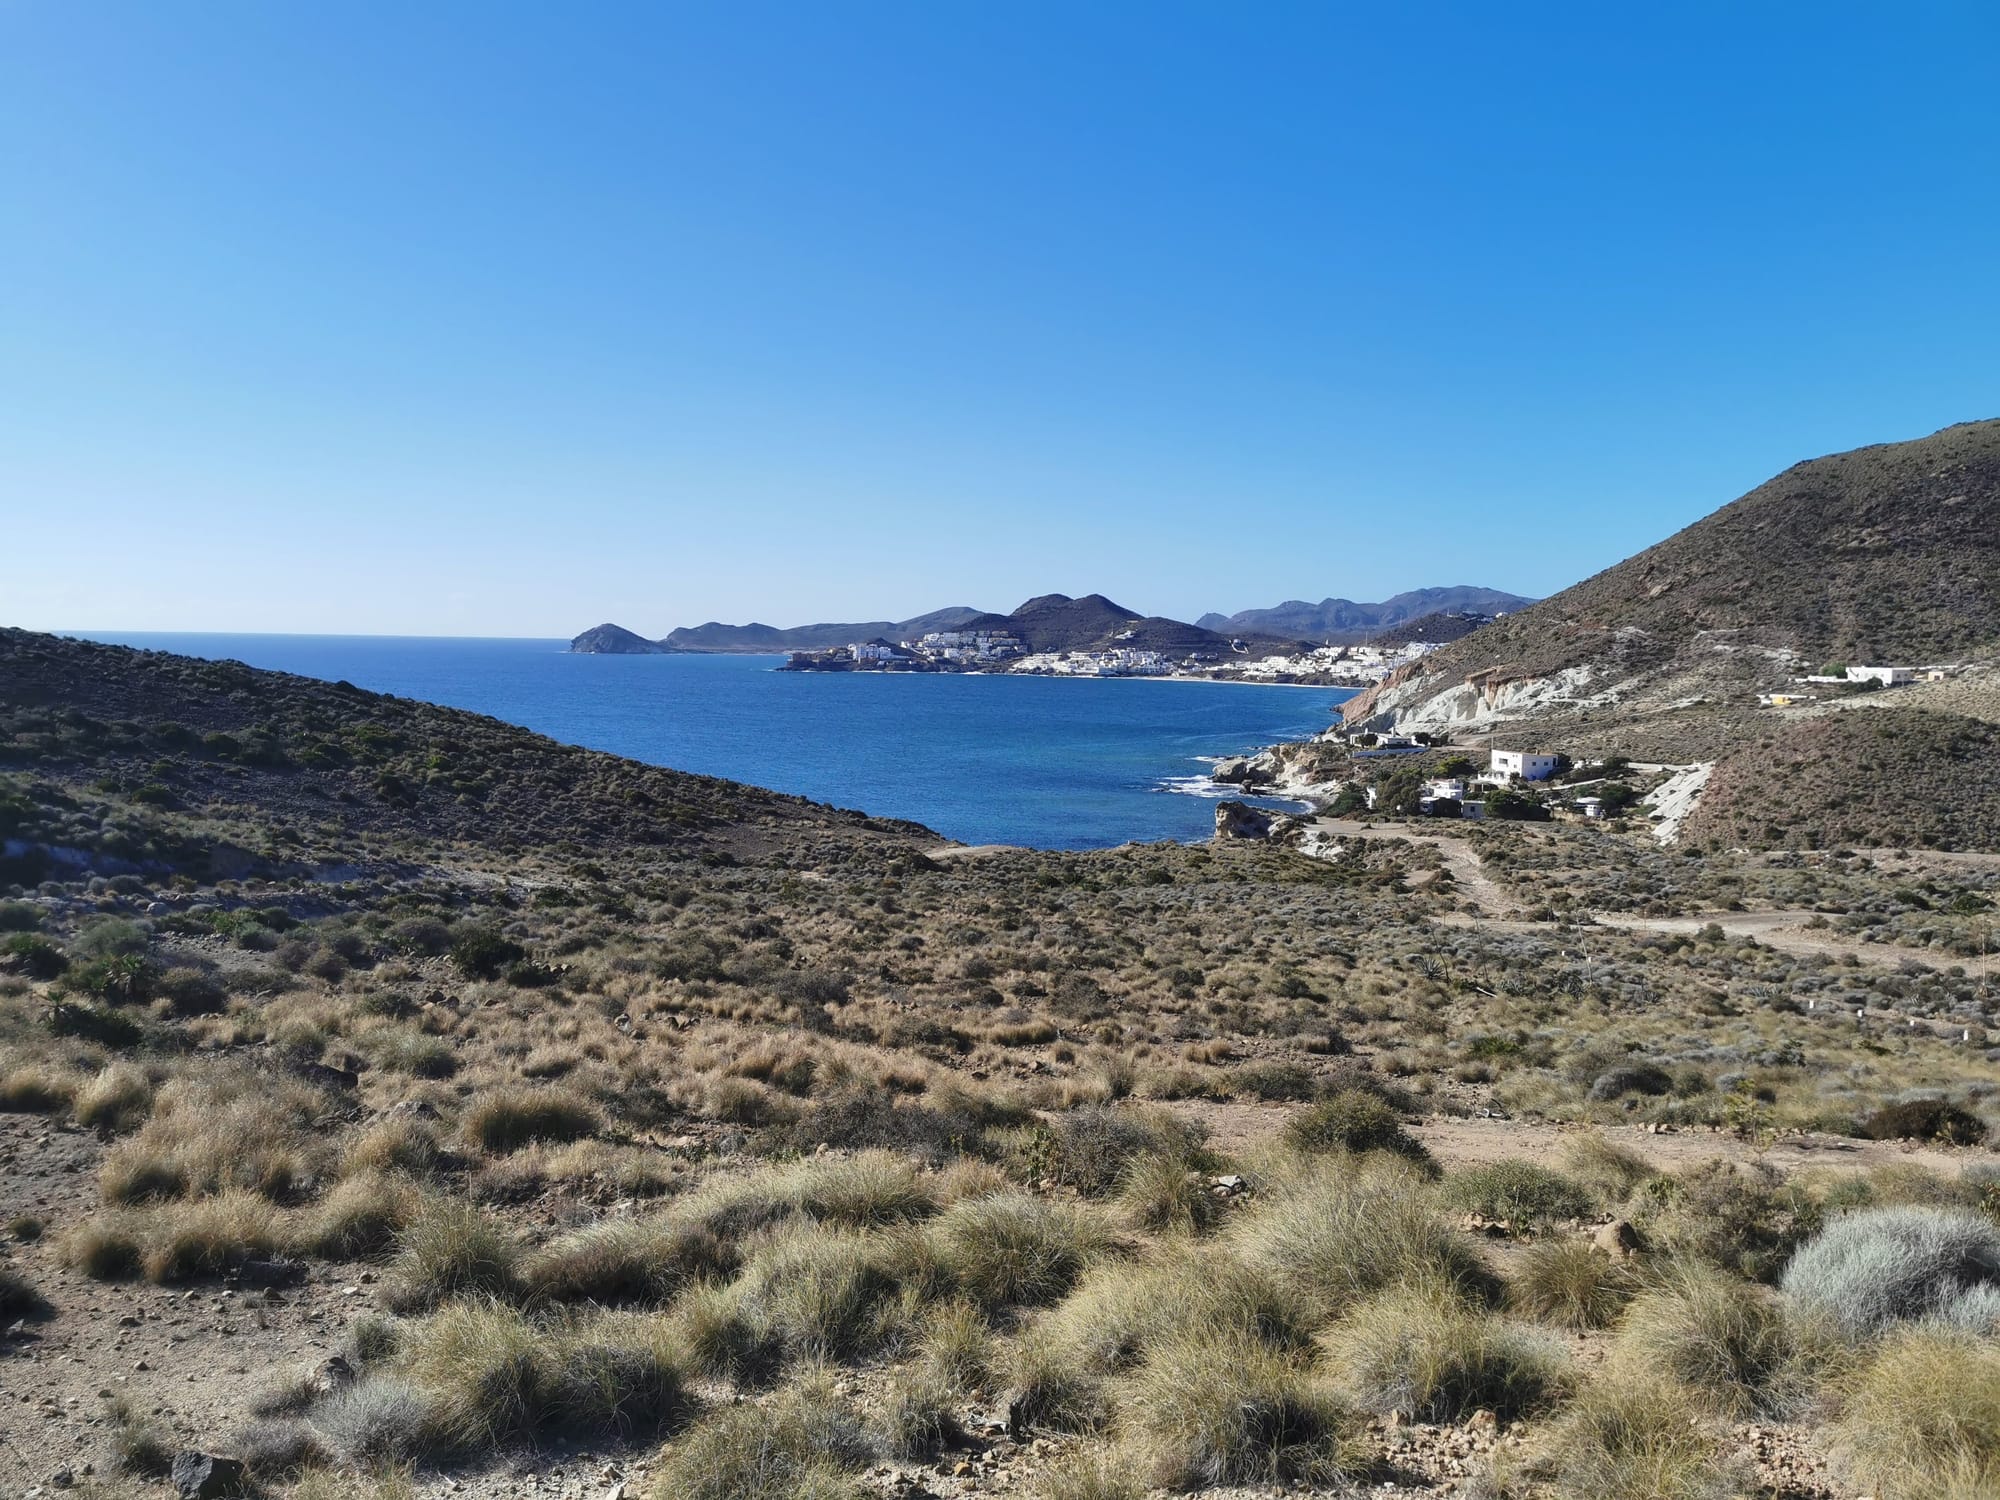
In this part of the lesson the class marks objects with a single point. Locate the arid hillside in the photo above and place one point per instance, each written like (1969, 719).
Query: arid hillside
(394, 1103)
(1887, 554)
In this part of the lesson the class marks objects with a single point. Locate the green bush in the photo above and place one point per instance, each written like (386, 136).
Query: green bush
(484, 952)
(1354, 1120)
(1523, 1194)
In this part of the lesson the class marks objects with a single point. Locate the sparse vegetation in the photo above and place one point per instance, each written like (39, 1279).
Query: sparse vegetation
(749, 1139)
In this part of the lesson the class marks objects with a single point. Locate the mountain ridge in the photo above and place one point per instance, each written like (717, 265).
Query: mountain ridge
(1060, 622)
(1347, 622)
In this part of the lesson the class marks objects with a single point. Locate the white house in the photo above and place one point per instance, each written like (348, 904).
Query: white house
(1886, 676)
(1444, 788)
(1524, 764)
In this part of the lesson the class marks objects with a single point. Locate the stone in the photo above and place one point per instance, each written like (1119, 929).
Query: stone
(1239, 820)
(208, 1476)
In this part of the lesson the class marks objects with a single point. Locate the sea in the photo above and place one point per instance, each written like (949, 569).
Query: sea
(1051, 763)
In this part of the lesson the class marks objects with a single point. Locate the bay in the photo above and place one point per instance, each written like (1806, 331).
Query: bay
(1054, 763)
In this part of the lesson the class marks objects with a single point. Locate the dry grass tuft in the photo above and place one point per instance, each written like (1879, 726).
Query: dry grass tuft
(1570, 1284)
(451, 1249)
(1639, 1437)
(1420, 1352)
(1220, 1408)
(804, 1444)
(1709, 1333)
(1921, 1418)
(1337, 1230)
(507, 1119)
(1015, 1249)
(118, 1099)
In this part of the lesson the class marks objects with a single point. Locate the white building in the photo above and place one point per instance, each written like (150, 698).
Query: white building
(1444, 789)
(1522, 764)
(1885, 676)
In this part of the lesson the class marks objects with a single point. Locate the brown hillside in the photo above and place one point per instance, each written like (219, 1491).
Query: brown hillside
(1885, 553)
(1866, 776)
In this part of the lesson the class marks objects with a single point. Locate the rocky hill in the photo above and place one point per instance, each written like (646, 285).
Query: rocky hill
(1056, 622)
(759, 639)
(113, 759)
(1887, 554)
(1344, 622)
(1048, 622)
(614, 640)
(1439, 628)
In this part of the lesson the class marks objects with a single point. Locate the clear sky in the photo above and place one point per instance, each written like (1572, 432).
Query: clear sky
(498, 318)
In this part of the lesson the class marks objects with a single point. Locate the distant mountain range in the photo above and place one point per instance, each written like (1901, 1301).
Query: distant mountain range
(1344, 622)
(1056, 622)
(1048, 622)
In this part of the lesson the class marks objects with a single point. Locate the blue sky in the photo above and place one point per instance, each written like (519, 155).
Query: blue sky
(501, 318)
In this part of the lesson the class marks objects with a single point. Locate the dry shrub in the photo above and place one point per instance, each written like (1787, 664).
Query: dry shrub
(804, 1444)
(1711, 1334)
(1090, 1474)
(399, 1143)
(824, 1292)
(1418, 1351)
(1868, 1271)
(1014, 1248)
(379, 1420)
(504, 1120)
(451, 1249)
(621, 1261)
(118, 1099)
(174, 1241)
(1526, 1196)
(1339, 1229)
(919, 1412)
(1636, 1436)
(1222, 1407)
(35, 1089)
(216, 1130)
(1570, 1284)
(360, 1219)
(1606, 1170)
(1354, 1120)
(1921, 1418)
(1168, 1194)
(489, 1376)
(1741, 1218)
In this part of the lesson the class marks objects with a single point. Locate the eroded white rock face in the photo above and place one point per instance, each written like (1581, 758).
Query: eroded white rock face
(1675, 798)
(1421, 704)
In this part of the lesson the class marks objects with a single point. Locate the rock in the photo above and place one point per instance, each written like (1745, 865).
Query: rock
(207, 1476)
(1618, 1239)
(1239, 820)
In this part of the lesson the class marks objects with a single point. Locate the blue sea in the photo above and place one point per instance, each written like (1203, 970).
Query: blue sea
(1054, 763)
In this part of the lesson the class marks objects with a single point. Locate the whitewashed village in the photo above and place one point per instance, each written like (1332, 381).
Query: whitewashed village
(1002, 651)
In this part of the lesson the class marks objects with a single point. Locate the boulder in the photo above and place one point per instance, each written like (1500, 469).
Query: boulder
(1239, 820)
(207, 1476)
